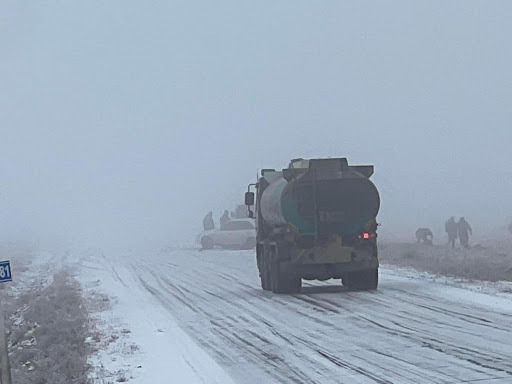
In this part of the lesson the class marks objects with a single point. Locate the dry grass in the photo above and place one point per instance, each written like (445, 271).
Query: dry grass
(48, 329)
(491, 263)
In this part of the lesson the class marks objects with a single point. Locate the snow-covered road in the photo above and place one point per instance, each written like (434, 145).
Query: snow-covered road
(412, 330)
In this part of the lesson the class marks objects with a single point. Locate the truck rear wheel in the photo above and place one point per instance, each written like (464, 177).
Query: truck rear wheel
(263, 268)
(281, 282)
(266, 281)
(365, 280)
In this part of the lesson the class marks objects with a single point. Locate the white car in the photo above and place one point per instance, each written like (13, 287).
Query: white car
(236, 233)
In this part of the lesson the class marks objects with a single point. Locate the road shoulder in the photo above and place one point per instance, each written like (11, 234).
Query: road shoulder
(163, 352)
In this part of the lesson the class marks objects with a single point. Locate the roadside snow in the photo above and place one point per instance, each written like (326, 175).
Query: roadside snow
(151, 345)
(496, 295)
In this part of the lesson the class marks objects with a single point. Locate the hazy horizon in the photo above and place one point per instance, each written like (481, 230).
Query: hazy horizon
(125, 122)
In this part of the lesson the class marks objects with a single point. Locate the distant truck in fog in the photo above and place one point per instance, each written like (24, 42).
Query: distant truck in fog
(316, 219)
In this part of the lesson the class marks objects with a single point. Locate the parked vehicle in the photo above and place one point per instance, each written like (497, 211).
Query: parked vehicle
(236, 233)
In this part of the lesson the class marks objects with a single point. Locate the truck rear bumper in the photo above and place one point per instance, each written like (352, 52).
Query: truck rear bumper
(327, 271)
(331, 261)
(333, 253)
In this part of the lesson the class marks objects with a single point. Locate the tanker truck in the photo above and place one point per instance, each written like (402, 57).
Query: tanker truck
(315, 220)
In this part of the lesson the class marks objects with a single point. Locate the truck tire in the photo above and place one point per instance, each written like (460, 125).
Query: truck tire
(365, 280)
(281, 282)
(265, 272)
(261, 254)
(266, 282)
(206, 242)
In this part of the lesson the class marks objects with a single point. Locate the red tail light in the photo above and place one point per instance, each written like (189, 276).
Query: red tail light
(366, 235)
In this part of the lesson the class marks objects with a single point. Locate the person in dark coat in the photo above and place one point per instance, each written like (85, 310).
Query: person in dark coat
(224, 219)
(452, 229)
(208, 223)
(464, 230)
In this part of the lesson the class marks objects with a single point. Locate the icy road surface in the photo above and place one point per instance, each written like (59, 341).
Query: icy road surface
(411, 330)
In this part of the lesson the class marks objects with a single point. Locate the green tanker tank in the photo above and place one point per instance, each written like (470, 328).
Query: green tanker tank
(316, 219)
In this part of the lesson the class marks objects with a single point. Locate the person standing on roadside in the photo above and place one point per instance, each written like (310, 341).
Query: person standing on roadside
(464, 230)
(224, 219)
(208, 223)
(452, 229)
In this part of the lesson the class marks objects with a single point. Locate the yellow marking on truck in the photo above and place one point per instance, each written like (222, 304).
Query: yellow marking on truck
(333, 252)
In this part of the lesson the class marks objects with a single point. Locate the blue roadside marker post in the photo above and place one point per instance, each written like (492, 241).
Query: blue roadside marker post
(5, 271)
(5, 364)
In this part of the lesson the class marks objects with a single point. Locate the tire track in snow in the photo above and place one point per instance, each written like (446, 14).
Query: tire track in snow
(293, 338)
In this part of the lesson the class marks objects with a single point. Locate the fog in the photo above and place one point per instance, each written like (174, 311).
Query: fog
(125, 122)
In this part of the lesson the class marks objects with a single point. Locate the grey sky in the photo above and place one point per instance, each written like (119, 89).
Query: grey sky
(125, 120)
